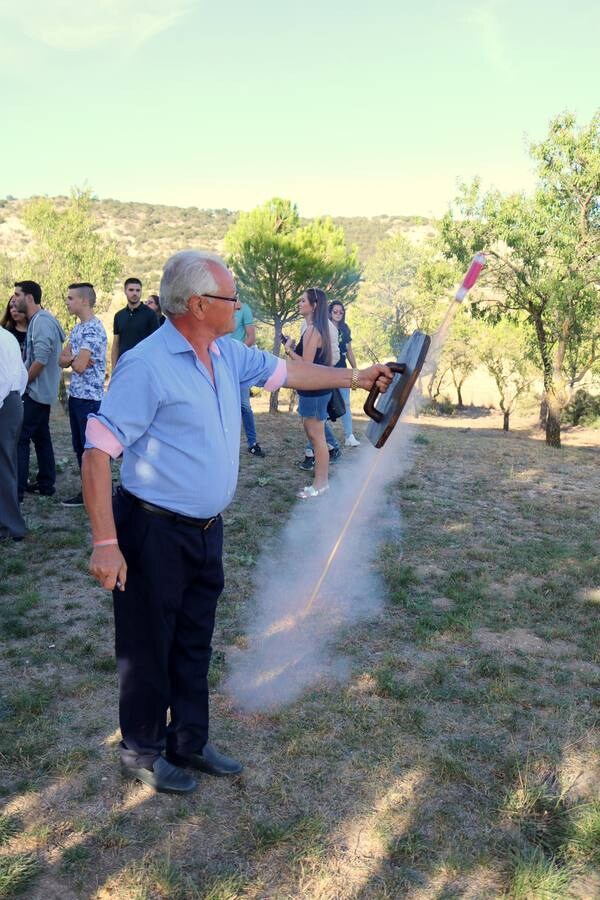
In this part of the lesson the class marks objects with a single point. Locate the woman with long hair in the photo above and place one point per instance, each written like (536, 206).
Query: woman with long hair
(153, 302)
(15, 322)
(314, 347)
(337, 314)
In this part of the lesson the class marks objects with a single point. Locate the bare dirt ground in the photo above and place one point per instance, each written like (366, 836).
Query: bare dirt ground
(460, 759)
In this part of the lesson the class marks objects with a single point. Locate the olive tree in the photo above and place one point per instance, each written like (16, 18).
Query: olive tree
(275, 257)
(67, 247)
(543, 256)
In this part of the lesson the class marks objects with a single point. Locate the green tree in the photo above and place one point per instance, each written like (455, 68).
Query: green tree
(275, 258)
(405, 287)
(7, 279)
(543, 256)
(67, 248)
(460, 354)
(503, 350)
(389, 279)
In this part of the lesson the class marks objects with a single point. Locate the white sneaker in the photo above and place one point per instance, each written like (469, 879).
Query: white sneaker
(351, 442)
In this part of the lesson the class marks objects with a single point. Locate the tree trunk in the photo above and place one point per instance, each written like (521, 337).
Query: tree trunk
(274, 402)
(434, 387)
(461, 405)
(550, 390)
(557, 395)
(553, 421)
(505, 421)
(543, 412)
(553, 430)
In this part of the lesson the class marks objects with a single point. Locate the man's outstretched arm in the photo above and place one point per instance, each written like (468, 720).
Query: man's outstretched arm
(309, 377)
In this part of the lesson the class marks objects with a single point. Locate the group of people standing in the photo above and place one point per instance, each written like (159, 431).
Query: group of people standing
(31, 361)
(173, 412)
(325, 340)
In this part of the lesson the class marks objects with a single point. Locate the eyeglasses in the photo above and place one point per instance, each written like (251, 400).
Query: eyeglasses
(235, 299)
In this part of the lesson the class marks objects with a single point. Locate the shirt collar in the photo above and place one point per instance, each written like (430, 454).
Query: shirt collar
(177, 343)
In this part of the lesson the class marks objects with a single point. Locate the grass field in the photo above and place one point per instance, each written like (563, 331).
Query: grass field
(460, 759)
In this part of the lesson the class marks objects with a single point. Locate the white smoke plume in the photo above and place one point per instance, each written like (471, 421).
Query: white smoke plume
(319, 579)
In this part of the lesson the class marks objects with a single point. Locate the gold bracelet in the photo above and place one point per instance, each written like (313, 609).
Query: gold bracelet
(354, 382)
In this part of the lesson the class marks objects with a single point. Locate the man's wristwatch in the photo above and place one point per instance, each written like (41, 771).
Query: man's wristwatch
(354, 382)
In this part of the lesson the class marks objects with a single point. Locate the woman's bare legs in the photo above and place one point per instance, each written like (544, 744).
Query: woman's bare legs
(315, 431)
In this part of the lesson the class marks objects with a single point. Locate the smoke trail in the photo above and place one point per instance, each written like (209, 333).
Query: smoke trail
(321, 576)
(291, 627)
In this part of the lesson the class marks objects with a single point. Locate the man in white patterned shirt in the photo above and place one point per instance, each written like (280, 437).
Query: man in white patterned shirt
(85, 353)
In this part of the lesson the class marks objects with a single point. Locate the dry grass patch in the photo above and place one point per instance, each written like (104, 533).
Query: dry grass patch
(459, 760)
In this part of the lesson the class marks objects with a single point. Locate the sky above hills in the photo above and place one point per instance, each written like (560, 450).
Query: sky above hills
(346, 108)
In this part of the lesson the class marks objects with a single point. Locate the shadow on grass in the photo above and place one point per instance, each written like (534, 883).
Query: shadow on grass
(450, 764)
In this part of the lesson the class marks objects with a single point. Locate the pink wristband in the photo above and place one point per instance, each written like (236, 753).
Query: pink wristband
(105, 543)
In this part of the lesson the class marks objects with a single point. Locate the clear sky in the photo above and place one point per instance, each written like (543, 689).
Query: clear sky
(346, 108)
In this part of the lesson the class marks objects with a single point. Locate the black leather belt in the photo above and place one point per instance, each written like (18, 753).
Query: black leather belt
(204, 524)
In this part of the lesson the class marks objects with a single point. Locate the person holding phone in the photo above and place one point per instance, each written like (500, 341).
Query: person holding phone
(315, 346)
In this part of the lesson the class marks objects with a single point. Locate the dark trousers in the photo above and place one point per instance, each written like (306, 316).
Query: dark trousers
(11, 416)
(164, 623)
(79, 410)
(36, 428)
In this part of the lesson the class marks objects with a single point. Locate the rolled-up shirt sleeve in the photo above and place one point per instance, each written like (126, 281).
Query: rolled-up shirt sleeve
(123, 414)
(278, 378)
(257, 367)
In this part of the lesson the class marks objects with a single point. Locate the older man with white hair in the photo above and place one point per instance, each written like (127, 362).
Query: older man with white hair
(173, 410)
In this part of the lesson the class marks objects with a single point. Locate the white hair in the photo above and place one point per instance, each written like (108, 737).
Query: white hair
(187, 273)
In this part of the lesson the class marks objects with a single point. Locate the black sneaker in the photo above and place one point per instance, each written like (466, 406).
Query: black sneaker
(256, 450)
(34, 488)
(335, 454)
(308, 463)
(77, 500)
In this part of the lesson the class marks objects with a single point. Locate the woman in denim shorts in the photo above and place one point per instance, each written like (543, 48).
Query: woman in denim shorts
(314, 347)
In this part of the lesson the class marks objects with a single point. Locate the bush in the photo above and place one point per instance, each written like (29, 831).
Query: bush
(442, 407)
(584, 409)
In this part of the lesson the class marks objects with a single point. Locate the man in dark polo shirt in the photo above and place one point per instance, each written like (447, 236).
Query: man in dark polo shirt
(133, 323)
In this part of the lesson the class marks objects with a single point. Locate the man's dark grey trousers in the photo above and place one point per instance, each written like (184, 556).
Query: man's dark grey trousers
(11, 418)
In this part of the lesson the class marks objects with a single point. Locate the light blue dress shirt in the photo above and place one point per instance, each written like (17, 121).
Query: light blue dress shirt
(180, 433)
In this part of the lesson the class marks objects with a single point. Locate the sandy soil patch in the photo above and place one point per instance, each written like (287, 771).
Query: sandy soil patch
(525, 641)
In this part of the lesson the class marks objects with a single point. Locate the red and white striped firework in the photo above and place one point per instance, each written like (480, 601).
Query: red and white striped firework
(471, 277)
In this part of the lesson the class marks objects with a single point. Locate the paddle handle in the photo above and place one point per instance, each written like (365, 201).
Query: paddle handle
(369, 407)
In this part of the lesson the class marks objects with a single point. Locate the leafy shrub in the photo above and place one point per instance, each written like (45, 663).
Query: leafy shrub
(442, 407)
(584, 409)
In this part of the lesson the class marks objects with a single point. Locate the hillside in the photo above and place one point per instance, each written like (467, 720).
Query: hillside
(148, 233)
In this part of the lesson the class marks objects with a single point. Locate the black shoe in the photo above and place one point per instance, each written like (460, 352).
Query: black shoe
(335, 454)
(77, 500)
(256, 450)
(210, 761)
(307, 464)
(163, 777)
(34, 488)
